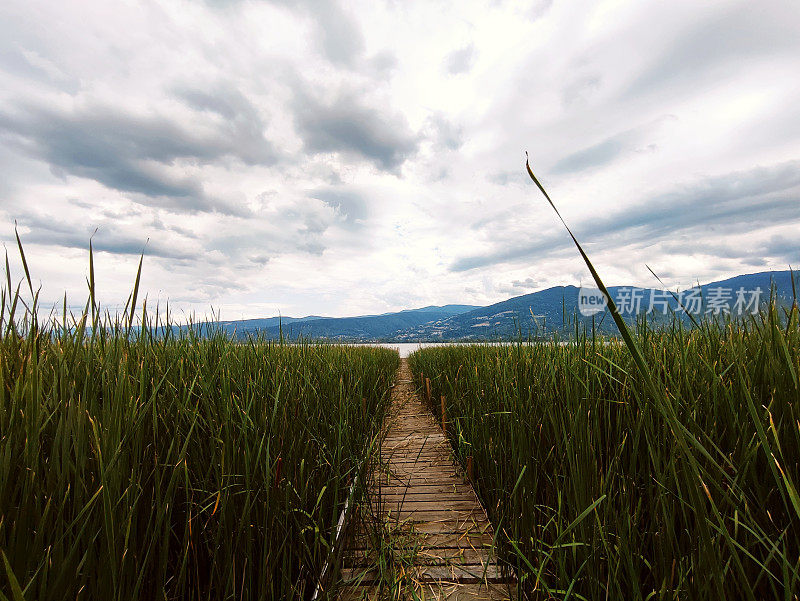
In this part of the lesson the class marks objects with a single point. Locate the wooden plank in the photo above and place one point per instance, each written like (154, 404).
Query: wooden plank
(404, 498)
(383, 480)
(452, 591)
(431, 519)
(416, 455)
(424, 556)
(417, 494)
(436, 505)
(445, 486)
(454, 540)
(445, 470)
(408, 482)
(411, 436)
(406, 477)
(411, 463)
(466, 592)
(412, 459)
(414, 446)
(452, 573)
(450, 526)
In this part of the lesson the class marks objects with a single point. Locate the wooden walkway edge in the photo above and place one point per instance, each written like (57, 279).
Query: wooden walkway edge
(424, 534)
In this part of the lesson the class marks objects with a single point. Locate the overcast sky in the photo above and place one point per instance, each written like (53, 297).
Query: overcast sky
(311, 157)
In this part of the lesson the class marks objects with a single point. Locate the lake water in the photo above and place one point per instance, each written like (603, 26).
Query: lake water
(406, 348)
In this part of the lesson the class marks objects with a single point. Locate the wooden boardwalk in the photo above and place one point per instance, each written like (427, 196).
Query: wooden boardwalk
(424, 534)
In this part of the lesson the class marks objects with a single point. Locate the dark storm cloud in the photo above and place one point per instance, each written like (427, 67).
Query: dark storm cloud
(460, 61)
(735, 202)
(347, 125)
(134, 153)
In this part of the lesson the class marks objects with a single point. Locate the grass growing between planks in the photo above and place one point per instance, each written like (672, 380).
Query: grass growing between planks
(581, 475)
(136, 463)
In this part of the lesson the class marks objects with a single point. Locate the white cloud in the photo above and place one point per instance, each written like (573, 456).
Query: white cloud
(332, 158)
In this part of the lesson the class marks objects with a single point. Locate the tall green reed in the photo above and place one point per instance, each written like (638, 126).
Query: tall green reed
(584, 481)
(663, 468)
(139, 460)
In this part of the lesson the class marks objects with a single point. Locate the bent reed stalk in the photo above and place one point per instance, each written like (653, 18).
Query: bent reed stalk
(582, 478)
(665, 467)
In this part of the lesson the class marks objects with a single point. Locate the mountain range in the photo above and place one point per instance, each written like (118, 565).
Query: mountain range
(539, 314)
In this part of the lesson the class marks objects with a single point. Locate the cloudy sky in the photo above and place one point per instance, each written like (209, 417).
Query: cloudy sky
(341, 158)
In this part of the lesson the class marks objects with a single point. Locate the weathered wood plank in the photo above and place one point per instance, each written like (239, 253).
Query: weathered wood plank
(406, 499)
(441, 541)
(490, 573)
(427, 557)
(441, 505)
(452, 591)
(438, 489)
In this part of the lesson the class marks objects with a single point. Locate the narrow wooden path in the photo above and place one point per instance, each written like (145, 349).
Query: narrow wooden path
(425, 534)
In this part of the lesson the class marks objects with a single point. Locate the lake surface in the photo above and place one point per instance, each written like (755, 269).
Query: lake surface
(406, 348)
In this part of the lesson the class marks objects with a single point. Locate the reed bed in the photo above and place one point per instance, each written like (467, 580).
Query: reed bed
(137, 463)
(582, 471)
